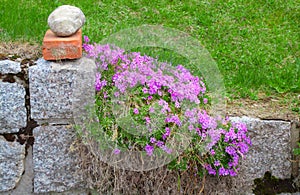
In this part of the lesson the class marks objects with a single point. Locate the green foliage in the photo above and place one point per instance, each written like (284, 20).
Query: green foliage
(255, 43)
(296, 151)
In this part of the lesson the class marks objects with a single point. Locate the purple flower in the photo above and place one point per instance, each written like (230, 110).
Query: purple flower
(190, 113)
(205, 100)
(116, 94)
(243, 148)
(147, 119)
(215, 136)
(212, 152)
(149, 149)
(105, 95)
(135, 111)
(191, 127)
(145, 90)
(166, 149)
(165, 106)
(248, 141)
(206, 121)
(210, 170)
(167, 133)
(241, 135)
(241, 127)
(235, 160)
(230, 150)
(159, 92)
(151, 110)
(223, 171)
(152, 140)
(217, 163)
(100, 84)
(160, 143)
(177, 104)
(232, 172)
(230, 135)
(173, 119)
(86, 39)
(117, 151)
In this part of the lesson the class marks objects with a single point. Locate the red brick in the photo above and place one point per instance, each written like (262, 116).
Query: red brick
(59, 48)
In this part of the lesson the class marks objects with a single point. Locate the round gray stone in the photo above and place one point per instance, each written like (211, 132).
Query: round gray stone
(66, 20)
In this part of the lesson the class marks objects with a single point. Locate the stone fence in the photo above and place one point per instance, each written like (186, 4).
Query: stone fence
(36, 135)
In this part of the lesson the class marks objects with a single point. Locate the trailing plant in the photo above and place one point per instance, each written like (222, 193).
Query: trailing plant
(149, 106)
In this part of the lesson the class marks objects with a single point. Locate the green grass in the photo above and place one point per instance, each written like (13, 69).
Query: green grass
(255, 43)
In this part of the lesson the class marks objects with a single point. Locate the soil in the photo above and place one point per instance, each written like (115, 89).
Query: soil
(276, 107)
(271, 185)
(19, 51)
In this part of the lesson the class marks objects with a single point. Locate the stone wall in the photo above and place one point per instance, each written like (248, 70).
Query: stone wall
(36, 136)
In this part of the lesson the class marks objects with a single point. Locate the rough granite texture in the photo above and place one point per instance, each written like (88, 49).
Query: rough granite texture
(12, 156)
(54, 168)
(270, 151)
(51, 90)
(12, 107)
(9, 67)
(53, 162)
(25, 185)
(66, 20)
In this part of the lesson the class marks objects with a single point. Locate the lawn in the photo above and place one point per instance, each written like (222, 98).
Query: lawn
(255, 43)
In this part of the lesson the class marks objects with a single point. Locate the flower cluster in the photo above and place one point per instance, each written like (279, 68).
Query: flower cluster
(164, 99)
(227, 143)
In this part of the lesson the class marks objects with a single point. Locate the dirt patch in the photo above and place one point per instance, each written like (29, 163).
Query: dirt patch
(20, 51)
(275, 107)
(271, 185)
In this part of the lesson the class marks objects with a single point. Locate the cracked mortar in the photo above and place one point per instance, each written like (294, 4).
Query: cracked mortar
(24, 135)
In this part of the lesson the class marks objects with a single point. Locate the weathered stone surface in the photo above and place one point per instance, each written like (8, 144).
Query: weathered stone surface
(9, 67)
(270, 151)
(25, 185)
(12, 107)
(53, 163)
(66, 20)
(51, 90)
(12, 155)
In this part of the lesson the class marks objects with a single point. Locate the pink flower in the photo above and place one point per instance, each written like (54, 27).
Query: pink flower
(145, 90)
(135, 111)
(86, 39)
(147, 119)
(149, 149)
(117, 151)
(152, 140)
(151, 110)
(167, 133)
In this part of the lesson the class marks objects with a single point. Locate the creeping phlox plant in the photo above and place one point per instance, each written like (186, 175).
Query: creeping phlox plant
(163, 100)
